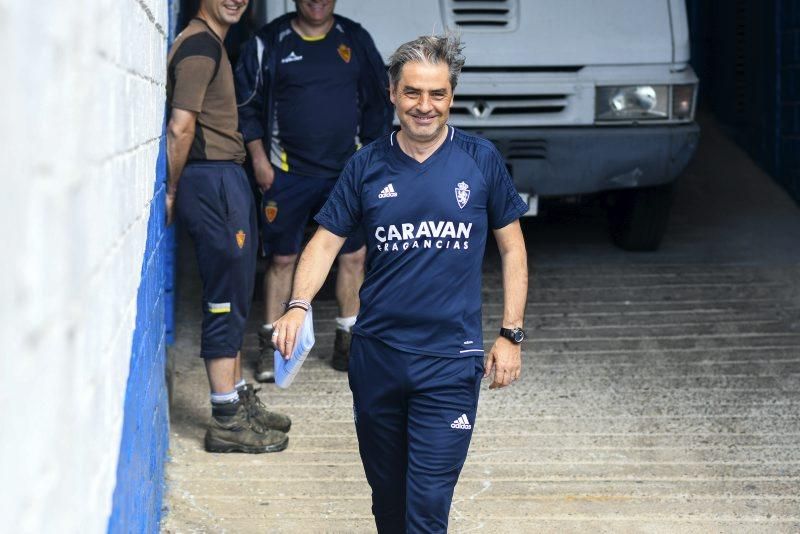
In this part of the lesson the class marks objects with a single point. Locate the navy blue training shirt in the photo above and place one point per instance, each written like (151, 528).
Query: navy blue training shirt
(316, 103)
(426, 225)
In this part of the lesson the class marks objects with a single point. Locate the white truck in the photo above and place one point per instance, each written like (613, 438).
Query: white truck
(580, 96)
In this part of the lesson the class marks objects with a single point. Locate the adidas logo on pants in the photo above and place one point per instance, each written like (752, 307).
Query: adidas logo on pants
(461, 422)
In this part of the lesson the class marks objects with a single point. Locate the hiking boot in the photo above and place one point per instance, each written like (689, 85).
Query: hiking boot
(341, 350)
(238, 434)
(265, 366)
(258, 413)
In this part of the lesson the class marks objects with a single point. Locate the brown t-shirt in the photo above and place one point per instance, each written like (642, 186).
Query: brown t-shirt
(200, 79)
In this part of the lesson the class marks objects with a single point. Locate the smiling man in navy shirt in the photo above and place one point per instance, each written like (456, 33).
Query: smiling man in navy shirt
(426, 197)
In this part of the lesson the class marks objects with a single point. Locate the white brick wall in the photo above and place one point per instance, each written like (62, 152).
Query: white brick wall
(81, 101)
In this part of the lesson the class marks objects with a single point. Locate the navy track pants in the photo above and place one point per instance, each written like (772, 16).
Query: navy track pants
(414, 417)
(216, 205)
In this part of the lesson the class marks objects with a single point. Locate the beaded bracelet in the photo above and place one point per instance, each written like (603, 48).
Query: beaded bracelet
(298, 303)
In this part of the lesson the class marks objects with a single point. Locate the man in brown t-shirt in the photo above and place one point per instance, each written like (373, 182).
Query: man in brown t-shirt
(215, 203)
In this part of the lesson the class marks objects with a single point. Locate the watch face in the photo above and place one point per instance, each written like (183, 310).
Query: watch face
(519, 335)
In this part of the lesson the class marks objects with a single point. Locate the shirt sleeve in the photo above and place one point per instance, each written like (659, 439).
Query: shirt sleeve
(341, 213)
(192, 69)
(505, 205)
(192, 76)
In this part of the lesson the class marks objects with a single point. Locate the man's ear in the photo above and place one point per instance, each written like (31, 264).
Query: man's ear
(392, 95)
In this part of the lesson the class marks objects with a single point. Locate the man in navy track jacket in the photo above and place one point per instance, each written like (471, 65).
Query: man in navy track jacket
(311, 89)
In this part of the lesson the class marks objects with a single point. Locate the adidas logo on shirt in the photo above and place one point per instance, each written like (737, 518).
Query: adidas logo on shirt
(461, 423)
(387, 192)
(292, 57)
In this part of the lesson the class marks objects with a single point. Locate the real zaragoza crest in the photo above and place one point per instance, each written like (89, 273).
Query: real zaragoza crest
(462, 194)
(344, 52)
(271, 210)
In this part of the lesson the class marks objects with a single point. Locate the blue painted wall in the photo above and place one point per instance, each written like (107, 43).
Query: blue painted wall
(145, 434)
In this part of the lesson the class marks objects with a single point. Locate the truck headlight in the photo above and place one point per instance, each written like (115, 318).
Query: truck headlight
(633, 102)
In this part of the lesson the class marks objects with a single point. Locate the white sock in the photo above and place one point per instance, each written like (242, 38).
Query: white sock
(240, 384)
(225, 398)
(345, 323)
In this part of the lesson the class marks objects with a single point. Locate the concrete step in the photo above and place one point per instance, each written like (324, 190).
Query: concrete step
(541, 366)
(559, 384)
(519, 449)
(344, 465)
(561, 525)
(267, 486)
(529, 419)
(486, 508)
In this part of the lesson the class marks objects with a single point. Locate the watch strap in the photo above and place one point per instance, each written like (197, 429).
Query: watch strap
(510, 334)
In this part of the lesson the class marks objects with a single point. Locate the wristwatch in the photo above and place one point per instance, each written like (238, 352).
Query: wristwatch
(515, 335)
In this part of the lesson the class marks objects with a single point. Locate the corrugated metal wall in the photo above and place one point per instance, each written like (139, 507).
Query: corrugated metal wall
(788, 15)
(747, 55)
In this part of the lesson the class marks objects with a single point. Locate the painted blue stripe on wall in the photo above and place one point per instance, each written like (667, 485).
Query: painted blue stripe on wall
(139, 491)
(145, 433)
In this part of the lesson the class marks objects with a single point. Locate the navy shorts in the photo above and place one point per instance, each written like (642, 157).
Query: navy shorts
(414, 418)
(216, 205)
(286, 209)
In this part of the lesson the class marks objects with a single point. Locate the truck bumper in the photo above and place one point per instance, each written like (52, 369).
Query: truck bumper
(581, 160)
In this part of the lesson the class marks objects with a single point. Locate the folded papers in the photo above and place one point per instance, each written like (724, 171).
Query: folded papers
(286, 370)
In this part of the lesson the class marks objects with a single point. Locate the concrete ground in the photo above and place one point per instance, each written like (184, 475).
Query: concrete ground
(660, 391)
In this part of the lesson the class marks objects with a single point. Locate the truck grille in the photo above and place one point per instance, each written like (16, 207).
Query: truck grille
(483, 107)
(527, 149)
(482, 14)
(521, 148)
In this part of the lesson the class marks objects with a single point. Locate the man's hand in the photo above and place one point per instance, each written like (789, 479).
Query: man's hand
(309, 275)
(285, 329)
(505, 360)
(170, 204)
(265, 174)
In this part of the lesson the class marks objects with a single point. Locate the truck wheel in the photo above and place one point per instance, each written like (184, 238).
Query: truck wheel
(638, 217)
